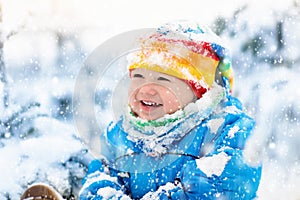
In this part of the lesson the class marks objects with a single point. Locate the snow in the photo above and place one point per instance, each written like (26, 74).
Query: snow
(112, 193)
(213, 165)
(97, 176)
(38, 157)
(233, 131)
(162, 189)
(39, 70)
(215, 124)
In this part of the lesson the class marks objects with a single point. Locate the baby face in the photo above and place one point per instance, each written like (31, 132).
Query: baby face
(153, 94)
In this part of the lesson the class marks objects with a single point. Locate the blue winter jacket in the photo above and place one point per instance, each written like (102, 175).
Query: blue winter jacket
(203, 161)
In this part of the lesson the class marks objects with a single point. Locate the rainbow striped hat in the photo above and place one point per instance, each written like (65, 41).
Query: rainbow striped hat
(188, 51)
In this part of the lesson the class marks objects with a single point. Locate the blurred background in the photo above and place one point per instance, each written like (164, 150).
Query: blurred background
(43, 45)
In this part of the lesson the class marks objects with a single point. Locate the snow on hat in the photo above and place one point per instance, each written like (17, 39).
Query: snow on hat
(188, 51)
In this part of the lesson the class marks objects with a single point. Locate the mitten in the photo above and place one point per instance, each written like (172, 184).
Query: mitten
(98, 184)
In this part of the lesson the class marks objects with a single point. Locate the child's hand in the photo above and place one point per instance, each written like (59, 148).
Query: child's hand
(102, 189)
(100, 185)
(168, 191)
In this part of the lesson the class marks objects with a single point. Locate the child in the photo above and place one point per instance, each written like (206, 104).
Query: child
(184, 134)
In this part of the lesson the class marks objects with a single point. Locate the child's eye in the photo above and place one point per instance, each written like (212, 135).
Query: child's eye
(138, 76)
(163, 79)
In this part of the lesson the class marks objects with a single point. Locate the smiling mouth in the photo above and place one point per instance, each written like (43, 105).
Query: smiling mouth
(150, 103)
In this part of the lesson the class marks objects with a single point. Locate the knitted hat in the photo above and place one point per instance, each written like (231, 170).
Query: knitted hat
(188, 51)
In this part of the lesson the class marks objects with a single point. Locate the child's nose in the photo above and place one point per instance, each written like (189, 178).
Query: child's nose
(148, 89)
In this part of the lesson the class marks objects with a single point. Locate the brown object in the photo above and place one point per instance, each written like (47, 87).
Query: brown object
(41, 192)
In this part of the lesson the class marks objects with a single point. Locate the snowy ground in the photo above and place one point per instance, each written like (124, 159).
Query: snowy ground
(43, 156)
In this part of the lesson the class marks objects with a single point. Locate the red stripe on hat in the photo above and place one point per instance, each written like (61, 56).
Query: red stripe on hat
(198, 89)
(203, 48)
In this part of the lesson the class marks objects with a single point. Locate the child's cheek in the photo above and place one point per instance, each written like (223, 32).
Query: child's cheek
(171, 103)
(132, 100)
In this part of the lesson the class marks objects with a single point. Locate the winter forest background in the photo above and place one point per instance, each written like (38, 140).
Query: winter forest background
(44, 44)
